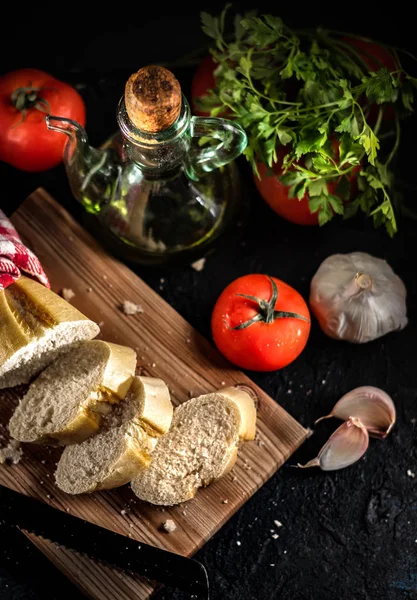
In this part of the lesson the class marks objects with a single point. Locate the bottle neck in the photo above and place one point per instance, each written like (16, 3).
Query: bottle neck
(157, 154)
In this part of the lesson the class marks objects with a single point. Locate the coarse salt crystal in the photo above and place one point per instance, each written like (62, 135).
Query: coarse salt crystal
(130, 308)
(67, 294)
(169, 526)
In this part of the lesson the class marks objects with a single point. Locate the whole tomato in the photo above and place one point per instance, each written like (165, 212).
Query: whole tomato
(260, 323)
(374, 55)
(26, 96)
(202, 82)
(277, 195)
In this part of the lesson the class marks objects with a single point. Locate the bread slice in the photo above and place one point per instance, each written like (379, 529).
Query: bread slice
(121, 449)
(200, 446)
(67, 400)
(35, 326)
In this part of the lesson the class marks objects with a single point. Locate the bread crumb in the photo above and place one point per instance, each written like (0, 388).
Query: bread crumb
(154, 364)
(67, 509)
(225, 501)
(11, 454)
(131, 525)
(123, 512)
(67, 294)
(198, 265)
(104, 277)
(101, 324)
(162, 280)
(278, 523)
(411, 474)
(89, 289)
(130, 308)
(169, 526)
(184, 513)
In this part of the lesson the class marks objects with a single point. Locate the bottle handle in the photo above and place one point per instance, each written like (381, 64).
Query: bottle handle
(232, 142)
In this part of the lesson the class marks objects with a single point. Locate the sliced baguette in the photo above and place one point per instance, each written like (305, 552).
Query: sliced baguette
(35, 326)
(200, 446)
(121, 449)
(68, 399)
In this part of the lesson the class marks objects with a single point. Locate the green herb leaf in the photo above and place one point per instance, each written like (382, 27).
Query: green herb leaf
(312, 93)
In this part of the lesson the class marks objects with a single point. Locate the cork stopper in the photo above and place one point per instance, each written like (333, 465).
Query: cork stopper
(153, 98)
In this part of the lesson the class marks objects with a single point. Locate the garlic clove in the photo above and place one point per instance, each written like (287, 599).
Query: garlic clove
(371, 405)
(343, 448)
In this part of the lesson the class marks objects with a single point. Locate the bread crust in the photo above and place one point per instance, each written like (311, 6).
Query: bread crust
(129, 465)
(247, 409)
(41, 309)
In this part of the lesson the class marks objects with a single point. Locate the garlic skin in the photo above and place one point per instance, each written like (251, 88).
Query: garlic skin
(357, 297)
(343, 448)
(371, 405)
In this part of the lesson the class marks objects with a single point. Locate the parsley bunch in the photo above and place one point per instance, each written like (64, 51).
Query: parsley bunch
(311, 92)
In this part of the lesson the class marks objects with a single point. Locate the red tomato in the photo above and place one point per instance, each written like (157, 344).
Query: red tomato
(203, 81)
(26, 96)
(280, 327)
(374, 55)
(276, 194)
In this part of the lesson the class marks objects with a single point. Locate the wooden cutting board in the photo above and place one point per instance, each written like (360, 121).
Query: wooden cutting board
(167, 347)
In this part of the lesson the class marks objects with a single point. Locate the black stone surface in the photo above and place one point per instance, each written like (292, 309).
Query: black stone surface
(348, 535)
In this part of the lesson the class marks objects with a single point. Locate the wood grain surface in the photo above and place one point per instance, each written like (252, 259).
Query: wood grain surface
(167, 347)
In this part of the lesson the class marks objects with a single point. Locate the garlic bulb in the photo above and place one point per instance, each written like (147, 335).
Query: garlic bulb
(357, 297)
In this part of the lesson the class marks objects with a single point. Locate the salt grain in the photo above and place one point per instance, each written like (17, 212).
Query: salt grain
(67, 294)
(278, 523)
(169, 526)
(238, 543)
(410, 473)
(275, 536)
(198, 265)
(123, 512)
(130, 308)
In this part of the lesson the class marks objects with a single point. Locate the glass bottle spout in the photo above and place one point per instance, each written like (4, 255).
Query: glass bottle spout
(87, 168)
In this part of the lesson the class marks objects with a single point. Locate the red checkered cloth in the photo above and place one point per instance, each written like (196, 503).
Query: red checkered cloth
(15, 257)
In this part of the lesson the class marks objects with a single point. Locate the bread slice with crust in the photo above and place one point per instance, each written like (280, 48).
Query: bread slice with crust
(201, 446)
(35, 326)
(66, 402)
(122, 448)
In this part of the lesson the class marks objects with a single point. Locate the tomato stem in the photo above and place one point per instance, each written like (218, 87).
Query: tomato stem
(267, 313)
(25, 98)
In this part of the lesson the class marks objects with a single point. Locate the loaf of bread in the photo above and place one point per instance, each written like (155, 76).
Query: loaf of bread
(67, 401)
(122, 447)
(201, 446)
(35, 326)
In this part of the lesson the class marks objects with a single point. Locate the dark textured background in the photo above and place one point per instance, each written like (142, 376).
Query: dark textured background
(350, 535)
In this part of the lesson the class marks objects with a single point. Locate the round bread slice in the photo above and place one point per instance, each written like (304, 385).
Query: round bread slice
(122, 448)
(67, 400)
(36, 325)
(200, 447)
